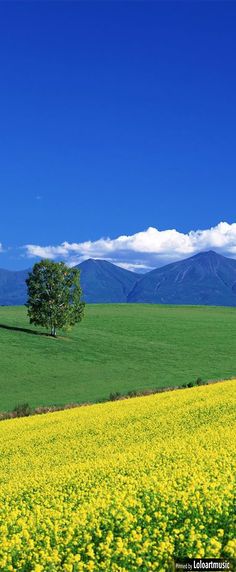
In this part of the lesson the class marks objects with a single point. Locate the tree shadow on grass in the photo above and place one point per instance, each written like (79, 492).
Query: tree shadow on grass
(25, 330)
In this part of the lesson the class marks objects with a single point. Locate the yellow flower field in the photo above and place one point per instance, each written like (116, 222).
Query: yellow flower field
(121, 486)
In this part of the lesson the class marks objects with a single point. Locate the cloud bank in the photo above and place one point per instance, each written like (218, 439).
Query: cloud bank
(144, 250)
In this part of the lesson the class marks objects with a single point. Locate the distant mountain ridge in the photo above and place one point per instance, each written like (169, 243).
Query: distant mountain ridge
(13, 287)
(206, 278)
(104, 282)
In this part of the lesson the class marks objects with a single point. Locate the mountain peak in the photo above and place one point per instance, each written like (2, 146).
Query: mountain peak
(208, 254)
(103, 282)
(94, 261)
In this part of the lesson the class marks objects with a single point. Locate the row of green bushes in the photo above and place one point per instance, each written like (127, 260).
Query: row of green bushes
(135, 393)
(24, 409)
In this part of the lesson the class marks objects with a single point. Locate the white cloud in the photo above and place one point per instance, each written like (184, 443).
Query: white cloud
(1, 247)
(143, 250)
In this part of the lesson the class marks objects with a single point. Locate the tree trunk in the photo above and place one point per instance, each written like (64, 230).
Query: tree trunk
(53, 331)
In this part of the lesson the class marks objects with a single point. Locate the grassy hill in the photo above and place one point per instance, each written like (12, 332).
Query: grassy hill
(118, 347)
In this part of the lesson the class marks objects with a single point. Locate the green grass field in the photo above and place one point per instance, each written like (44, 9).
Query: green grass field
(118, 347)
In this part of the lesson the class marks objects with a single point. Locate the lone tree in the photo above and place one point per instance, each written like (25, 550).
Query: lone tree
(54, 296)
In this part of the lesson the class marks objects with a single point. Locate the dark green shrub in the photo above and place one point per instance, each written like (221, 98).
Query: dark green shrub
(114, 396)
(190, 384)
(22, 410)
(199, 381)
(132, 393)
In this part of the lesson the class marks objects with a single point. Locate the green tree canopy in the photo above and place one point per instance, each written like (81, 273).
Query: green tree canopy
(54, 296)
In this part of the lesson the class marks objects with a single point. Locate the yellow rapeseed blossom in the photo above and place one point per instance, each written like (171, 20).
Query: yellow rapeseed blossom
(121, 486)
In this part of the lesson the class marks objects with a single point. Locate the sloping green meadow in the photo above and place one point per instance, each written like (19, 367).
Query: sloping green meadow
(117, 348)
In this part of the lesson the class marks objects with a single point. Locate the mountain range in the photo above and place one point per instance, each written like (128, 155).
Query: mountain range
(206, 278)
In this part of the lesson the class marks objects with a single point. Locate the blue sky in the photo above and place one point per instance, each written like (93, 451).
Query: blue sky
(116, 117)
